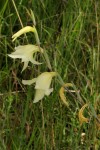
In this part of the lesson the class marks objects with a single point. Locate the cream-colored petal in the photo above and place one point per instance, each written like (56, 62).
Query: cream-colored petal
(21, 51)
(29, 82)
(12, 56)
(35, 62)
(48, 91)
(38, 95)
(25, 65)
(26, 54)
(24, 49)
(27, 49)
(44, 80)
(23, 31)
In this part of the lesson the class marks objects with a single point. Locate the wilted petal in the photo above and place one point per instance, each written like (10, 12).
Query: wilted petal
(62, 95)
(38, 95)
(82, 119)
(23, 31)
(29, 82)
(98, 122)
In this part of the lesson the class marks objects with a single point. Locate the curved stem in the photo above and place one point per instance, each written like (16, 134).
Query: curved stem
(45, 54)
(47, 57)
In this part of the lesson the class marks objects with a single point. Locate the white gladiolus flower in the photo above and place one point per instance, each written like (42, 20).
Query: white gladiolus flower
(23, 31)
(42, 86)
(26, 54)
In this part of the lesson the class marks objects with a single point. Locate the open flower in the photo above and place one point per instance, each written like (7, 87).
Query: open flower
(23, 31)
(42, 86)
(26, 54)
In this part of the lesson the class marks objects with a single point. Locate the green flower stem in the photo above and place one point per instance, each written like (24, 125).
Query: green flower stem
(47, 60)
(60, 79)
(45, 54)
(36, 36)
(47, 57)
(32, 17)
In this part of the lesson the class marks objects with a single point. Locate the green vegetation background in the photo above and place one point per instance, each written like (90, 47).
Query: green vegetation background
(70, 32)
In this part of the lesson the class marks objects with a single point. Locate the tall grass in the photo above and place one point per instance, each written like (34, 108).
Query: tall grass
(69, 31)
